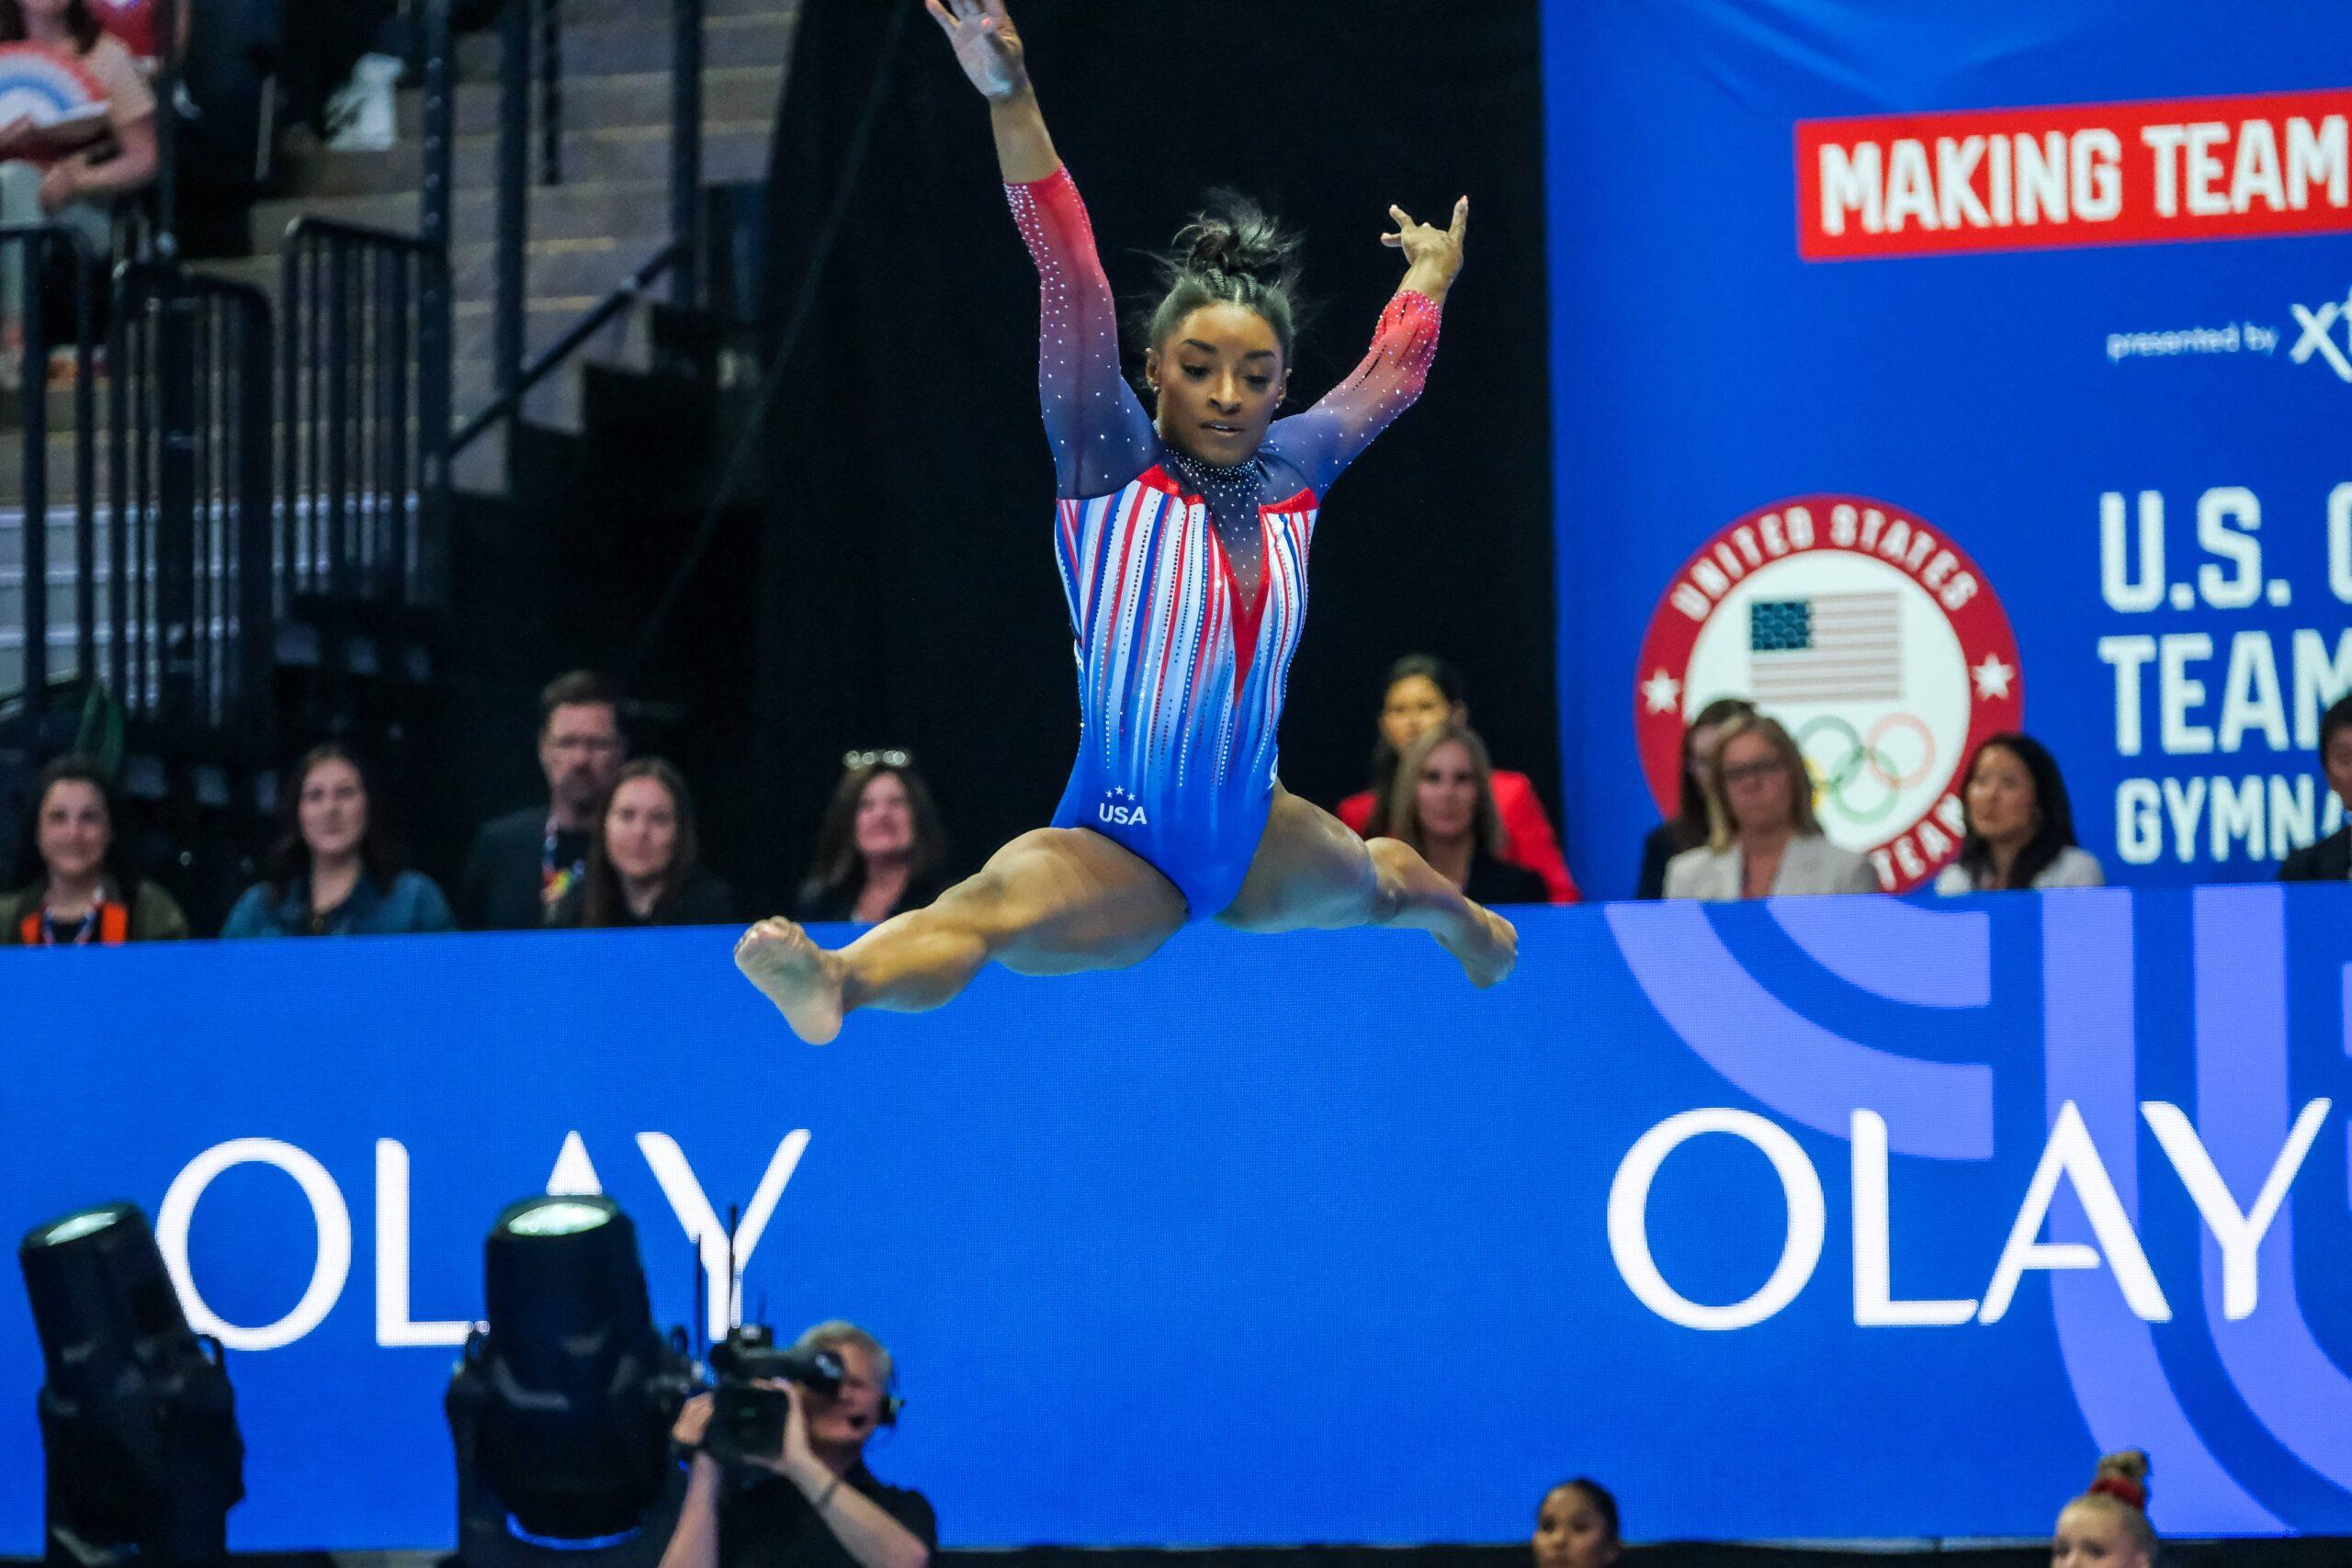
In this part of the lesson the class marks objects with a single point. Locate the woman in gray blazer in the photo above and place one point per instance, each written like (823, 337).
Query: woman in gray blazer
(1762, 837)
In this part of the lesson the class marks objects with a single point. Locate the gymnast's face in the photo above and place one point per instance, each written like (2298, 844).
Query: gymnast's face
(1219, 378)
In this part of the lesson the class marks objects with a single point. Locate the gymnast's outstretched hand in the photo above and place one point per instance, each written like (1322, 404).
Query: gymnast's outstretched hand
(985, 45)
(990, 50)
(1433, 256)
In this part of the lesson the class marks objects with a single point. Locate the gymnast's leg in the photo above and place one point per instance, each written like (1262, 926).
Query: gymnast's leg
(1054, 901)
(1312, 873)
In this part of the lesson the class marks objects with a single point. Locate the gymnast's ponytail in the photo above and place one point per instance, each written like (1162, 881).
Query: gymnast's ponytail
(1233, 251)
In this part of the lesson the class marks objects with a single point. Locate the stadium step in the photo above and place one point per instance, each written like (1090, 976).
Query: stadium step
(639, 43)
(732, 149)
(741, 93)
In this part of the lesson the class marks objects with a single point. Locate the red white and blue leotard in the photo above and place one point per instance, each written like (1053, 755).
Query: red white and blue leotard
(1186, 582)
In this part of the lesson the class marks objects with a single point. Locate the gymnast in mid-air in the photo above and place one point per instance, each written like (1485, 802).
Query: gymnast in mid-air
(1182, 536)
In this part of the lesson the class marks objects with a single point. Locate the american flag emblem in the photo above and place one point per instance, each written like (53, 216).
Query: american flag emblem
(1831, 647)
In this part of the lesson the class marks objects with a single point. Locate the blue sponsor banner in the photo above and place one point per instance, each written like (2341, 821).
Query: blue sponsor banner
(1925, 371)
(1916, 1210)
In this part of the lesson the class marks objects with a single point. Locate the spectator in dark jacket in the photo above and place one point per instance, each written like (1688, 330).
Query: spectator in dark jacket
(645, 859)
(84, 892)
(523, 863)
(1441, 800)
(879, 847)
(2330, 860)
(334, 870)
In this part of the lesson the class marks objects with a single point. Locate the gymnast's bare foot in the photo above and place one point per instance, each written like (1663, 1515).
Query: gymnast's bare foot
(802, 979)
(1488, 951)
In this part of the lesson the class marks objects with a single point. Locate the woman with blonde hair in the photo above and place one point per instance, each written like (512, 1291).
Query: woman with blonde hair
(2107, 1526)
(1762, 837)
(1441, 801)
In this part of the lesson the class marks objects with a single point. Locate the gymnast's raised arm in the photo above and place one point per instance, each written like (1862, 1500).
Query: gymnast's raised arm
(1100, 435)
(1328, 436)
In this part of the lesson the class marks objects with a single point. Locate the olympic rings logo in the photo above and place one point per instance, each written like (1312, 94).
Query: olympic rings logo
(1864, 761)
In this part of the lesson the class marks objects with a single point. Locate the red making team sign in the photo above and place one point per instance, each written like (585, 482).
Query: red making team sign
(1871, 635)
(2075, 174)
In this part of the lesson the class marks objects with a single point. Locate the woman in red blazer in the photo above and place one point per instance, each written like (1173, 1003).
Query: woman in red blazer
(1423, 692)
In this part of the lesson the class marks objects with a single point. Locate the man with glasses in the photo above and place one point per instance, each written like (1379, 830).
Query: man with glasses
(522, 862)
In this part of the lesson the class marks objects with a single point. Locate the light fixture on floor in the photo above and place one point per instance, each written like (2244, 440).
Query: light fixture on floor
(138, 1424)
(562, 1406)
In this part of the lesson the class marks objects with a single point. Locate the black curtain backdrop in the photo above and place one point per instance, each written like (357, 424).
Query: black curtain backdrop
(908, 590)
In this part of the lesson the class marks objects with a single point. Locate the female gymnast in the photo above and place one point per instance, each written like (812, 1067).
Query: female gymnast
(1182, 539)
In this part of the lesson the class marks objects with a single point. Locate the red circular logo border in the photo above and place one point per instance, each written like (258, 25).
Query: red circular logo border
(1738, 548)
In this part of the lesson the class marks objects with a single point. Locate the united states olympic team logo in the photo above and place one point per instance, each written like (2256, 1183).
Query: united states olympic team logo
(1871, 635)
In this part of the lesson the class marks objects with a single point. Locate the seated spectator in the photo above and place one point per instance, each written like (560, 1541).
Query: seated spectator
(1577, 1527)
(645, 859)
(85, 892)
(71, 167)
(523, 862)
(1423, 692)
(1762, 837)
(1442, 801)
(1688, 830)
(334, 870)
(879, 847)
(2020, 829)
(2330, 860)
(2107, 1527)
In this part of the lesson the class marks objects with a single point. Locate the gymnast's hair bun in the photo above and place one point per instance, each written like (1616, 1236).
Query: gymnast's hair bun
(2123, 1476)
(1234, 237)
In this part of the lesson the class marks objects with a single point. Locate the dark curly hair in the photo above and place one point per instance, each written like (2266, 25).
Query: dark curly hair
(1232, 253)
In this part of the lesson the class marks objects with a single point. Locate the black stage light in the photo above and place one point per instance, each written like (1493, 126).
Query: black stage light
(562, 1406)
(137, 1420)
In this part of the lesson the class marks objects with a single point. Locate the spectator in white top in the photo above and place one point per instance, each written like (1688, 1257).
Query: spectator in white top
(2020, 829)
(1762, 837)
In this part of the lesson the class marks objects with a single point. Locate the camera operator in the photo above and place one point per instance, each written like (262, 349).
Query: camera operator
(813, 1503)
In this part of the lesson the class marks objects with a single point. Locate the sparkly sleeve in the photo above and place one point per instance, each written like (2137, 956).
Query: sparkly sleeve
(1100, 435)
(1328, 437)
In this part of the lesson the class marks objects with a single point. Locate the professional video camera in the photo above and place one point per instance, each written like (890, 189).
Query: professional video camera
(747, 1418)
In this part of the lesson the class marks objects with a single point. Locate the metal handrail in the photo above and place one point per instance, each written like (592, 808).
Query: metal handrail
(363, 382)
(191, 476)
(514, 374)
(33, 240)
(310, 223)
(673, 255)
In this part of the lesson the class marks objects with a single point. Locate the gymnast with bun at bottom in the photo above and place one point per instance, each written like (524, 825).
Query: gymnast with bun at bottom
(2107, 1527)
(1182, 538)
